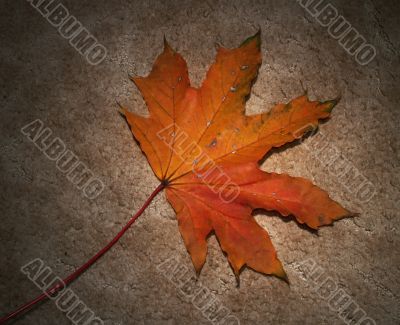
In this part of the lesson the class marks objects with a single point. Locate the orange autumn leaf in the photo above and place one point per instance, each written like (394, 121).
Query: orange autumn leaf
(203, 146)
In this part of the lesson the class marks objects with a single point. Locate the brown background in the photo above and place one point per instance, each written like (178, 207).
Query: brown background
(44, 216)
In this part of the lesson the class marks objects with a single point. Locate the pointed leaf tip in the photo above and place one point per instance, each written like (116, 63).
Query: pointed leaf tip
(255, 38)
(167, 47)
(121, 109)
(330, 104)
(283, 276)
(131, 77)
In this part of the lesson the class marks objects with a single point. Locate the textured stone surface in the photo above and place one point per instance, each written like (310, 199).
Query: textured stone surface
(45, 216)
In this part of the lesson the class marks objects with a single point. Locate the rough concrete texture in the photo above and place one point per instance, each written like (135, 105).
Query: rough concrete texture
(45, 216)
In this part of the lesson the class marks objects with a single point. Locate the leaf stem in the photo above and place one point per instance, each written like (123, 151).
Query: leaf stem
(57, 287)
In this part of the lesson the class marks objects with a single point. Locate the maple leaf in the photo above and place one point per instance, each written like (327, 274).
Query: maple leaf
(206, 150)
